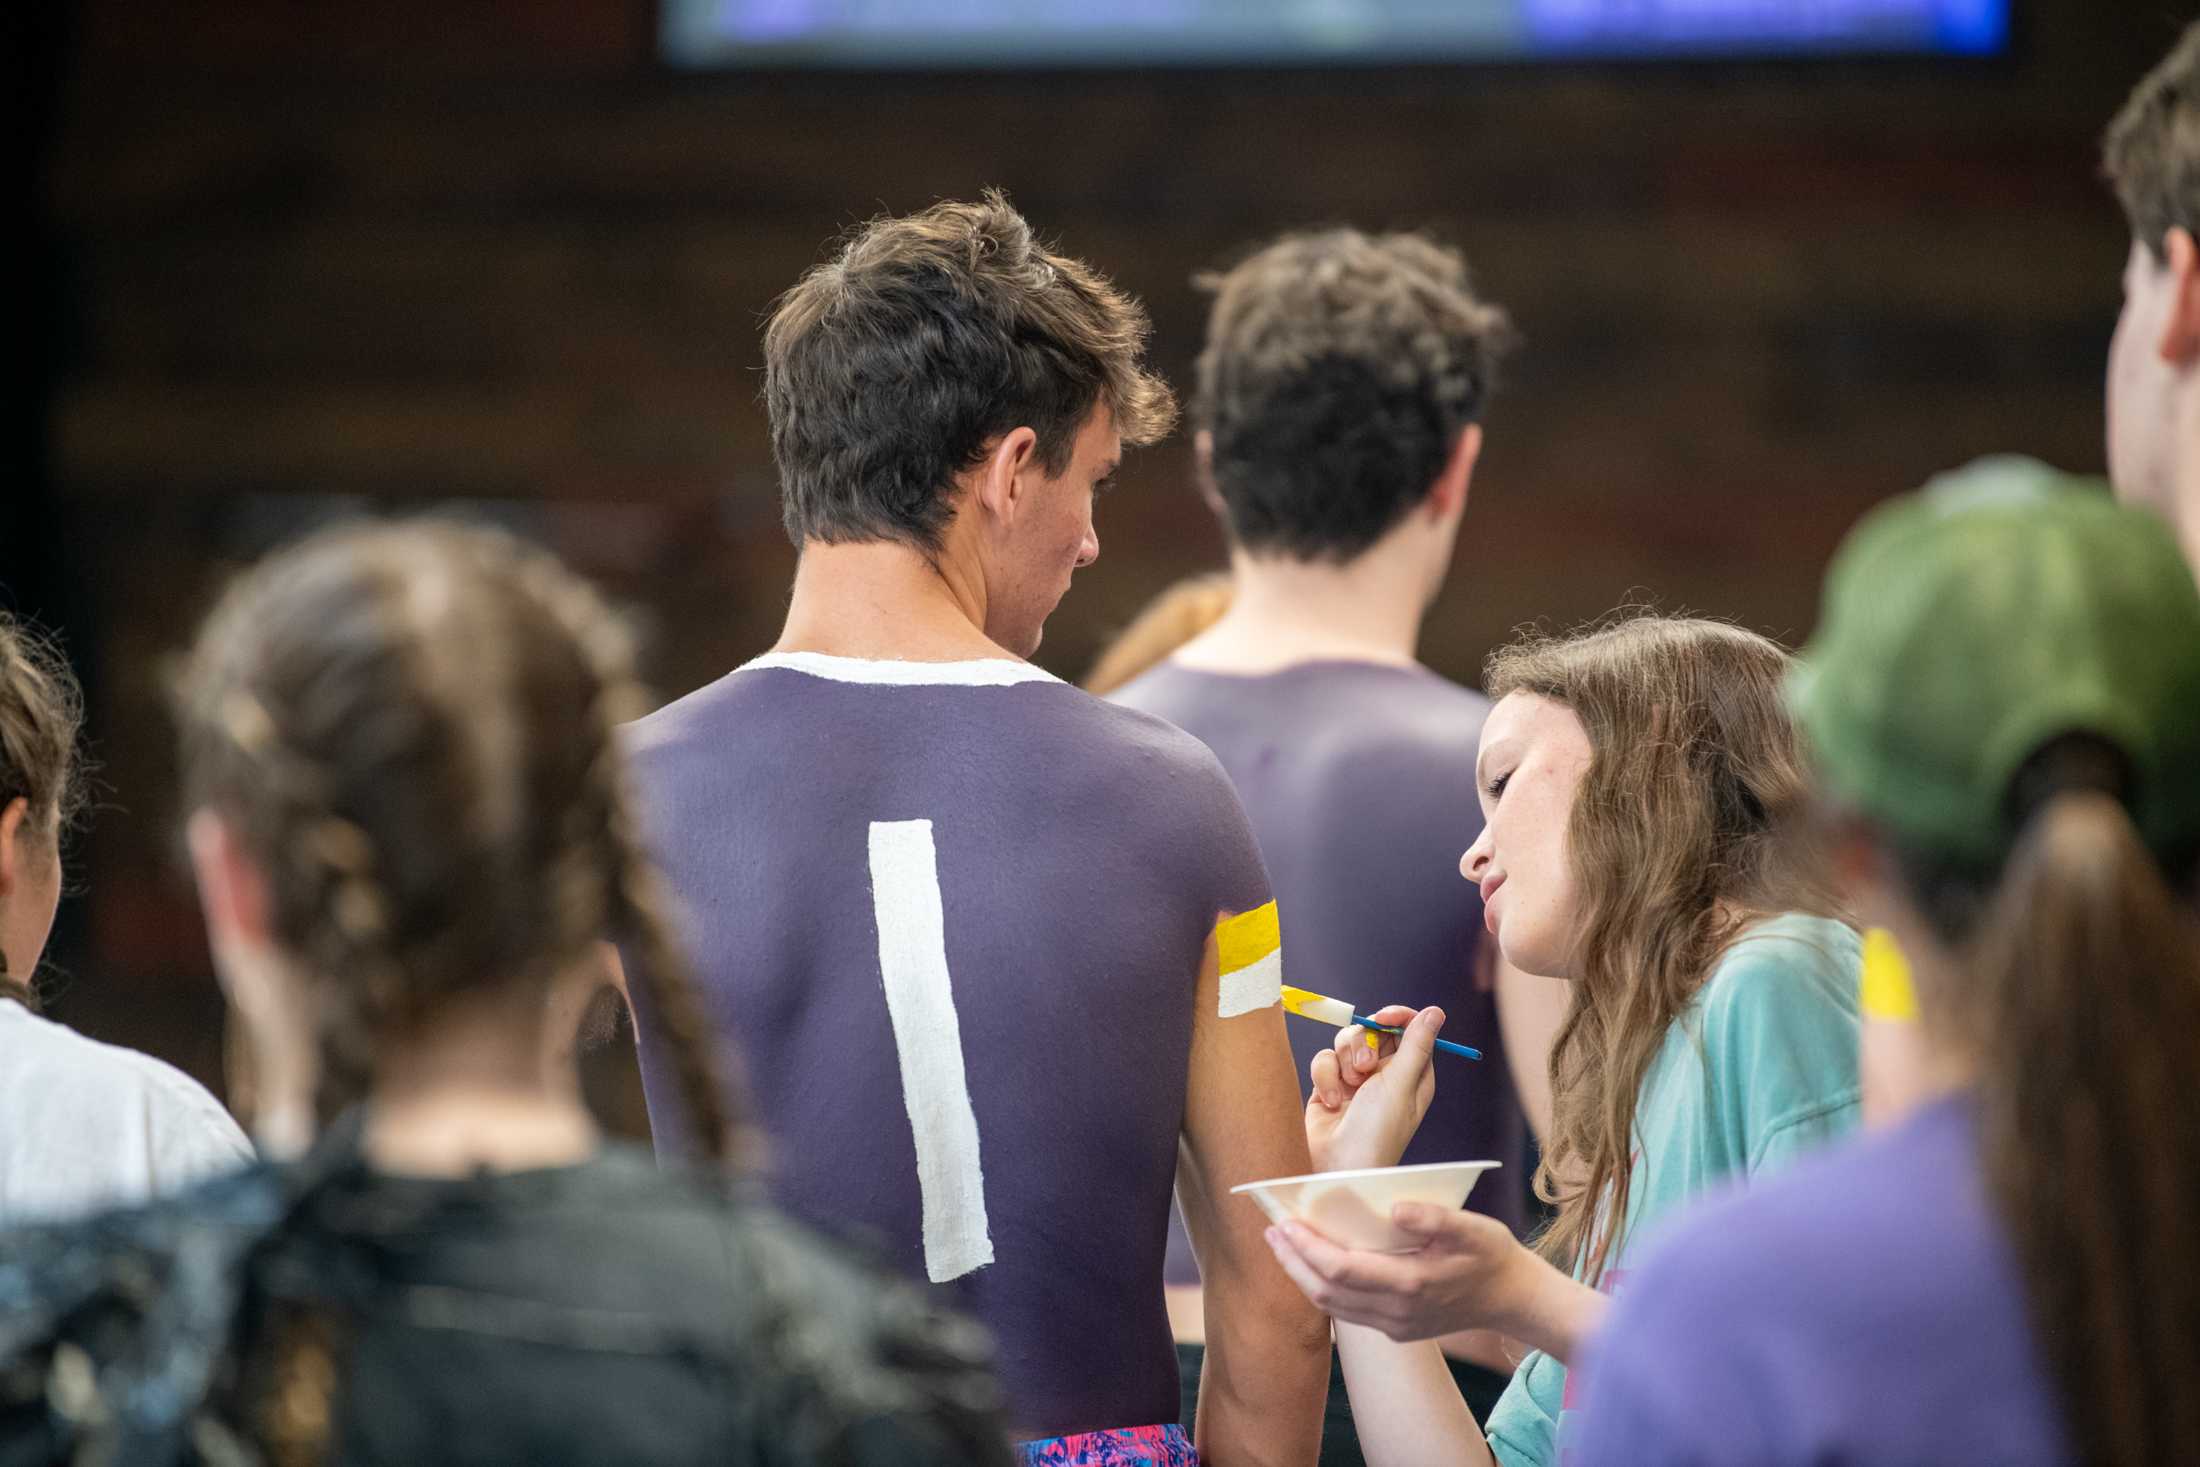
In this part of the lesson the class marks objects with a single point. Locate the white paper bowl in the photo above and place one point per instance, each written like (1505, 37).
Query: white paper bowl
(1353, 1208)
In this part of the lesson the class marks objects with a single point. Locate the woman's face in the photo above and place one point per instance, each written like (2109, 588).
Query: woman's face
(30, 888)
(1534, 753)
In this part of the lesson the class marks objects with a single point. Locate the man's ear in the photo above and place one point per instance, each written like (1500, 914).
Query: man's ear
(2180, 342)
(1447, 497)
(1001, 478)
(1203, 473)
(13, 833)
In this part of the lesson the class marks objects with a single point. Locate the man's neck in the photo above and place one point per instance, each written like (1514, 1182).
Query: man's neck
(1286, 612)
(883, 601)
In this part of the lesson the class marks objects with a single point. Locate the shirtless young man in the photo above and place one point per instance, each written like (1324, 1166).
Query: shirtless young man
(992, 952)
(1339, 407)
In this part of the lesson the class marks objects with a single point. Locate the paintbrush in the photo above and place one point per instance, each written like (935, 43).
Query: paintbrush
(1337, 1013)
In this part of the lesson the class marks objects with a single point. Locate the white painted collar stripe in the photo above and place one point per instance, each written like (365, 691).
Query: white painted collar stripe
(993, 672)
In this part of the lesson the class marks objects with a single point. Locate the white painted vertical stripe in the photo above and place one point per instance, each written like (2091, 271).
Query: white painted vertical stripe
(935, 1086)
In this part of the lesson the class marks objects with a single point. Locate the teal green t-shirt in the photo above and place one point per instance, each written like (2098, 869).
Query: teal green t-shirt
(1759, 1069)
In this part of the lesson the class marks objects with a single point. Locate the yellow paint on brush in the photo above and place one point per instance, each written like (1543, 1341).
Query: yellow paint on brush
(1245, 939)
(1886, 991)
(1323, 1010)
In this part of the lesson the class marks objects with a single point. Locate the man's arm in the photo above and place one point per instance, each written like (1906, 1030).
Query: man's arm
(1266, 1378)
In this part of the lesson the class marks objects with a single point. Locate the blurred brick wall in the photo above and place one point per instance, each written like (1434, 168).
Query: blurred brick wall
(320, 256)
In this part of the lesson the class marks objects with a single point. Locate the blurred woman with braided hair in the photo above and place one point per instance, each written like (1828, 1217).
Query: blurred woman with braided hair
(410, 831)
(83, 1125)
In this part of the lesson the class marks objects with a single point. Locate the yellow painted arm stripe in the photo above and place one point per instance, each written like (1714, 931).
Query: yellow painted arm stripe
(1886, 992)
(1248, 937)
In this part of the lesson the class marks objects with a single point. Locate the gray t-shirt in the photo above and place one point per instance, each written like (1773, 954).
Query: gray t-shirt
(949, 920)
(1359, 778)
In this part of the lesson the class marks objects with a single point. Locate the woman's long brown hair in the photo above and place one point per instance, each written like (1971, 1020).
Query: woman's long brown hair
(1676, 842)
(2077, 993)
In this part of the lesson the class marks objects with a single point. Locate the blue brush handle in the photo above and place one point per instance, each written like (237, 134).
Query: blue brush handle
(1445, 1045)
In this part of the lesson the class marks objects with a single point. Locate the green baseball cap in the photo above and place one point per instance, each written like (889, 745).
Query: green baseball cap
(1968, 624)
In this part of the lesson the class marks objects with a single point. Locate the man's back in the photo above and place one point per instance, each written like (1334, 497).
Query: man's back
(1359, 780)
(951, 916)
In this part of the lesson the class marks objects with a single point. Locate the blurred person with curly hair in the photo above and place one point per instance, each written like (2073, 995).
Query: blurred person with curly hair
(1339, 411)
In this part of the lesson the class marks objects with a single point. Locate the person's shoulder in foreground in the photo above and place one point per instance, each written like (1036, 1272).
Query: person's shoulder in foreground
(1863, 1309)
(1778, 1016)
(95, 1125)
(862, 1366)
(819, 1357)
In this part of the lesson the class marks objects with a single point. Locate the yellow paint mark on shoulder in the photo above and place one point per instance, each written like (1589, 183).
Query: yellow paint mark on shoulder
(1245, 939)
(1886, 991)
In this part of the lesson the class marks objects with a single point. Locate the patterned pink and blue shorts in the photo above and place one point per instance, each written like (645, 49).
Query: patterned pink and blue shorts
(1130, 1446)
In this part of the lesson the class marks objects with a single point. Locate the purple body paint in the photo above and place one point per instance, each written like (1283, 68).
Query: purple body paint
(1359, 778)
(873, 859)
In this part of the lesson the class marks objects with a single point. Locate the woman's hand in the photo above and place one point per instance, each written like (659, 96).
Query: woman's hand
(1471, 1273)
(1367, 1102)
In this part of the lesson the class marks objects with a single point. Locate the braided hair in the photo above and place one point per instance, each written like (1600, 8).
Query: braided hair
(413, 729)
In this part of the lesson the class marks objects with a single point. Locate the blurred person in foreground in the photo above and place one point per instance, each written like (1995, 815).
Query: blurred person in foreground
(1339, 413)
(410, 827)
(991, 949)
(2152, 156)
(83, 1125)
(2003, 699)
(1636, 781)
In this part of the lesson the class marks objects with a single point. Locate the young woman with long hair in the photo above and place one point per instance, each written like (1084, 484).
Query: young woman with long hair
(409, 822)
(2003, 702)
(1634, 780)
(83, 1125)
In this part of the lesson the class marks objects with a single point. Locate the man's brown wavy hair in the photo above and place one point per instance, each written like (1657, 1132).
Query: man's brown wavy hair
(890, 368)
(2152, 152)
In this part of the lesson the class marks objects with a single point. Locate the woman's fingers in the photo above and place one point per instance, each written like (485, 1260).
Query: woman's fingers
(1329, 1086)
(1377, 1308)
(1429, 1223)
(1349, 1268)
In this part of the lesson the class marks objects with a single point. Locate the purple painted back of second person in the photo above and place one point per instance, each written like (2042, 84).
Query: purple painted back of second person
(1359, 778)
(1072, 861)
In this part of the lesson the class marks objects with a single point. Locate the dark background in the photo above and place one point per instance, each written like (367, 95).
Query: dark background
(292, 260)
